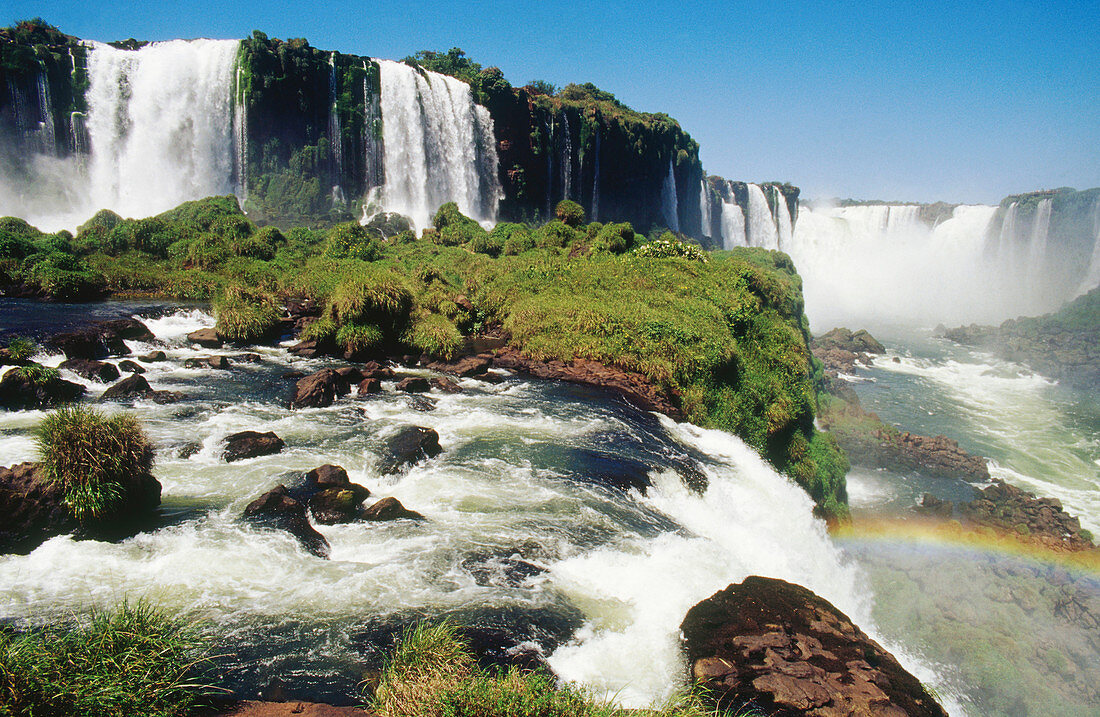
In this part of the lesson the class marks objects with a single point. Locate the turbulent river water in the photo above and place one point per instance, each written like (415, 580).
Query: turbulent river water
(535, 537)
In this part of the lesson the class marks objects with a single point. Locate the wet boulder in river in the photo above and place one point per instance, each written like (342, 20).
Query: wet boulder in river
(319, 389)
(338, 505)
(780, 648)
(414, 384)
(390, 509)
(91, 369)
(276, 509)
(135, 386)
(34, 386)
(409, 446)
(130, 366)
(207, 338)
(250, 444)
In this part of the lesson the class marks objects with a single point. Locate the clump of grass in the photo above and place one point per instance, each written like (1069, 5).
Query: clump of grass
(38, 374)
(245, 314)
(432, 673)
(92, 456)
(131, 660)
(380, 299)
(21, 348)
(435, 335)
(358, 338)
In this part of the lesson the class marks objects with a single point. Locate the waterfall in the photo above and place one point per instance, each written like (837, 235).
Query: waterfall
(733, 226)
(334, 133)
(761, 228)
(567, 160)
(46, 129)
(372, 132)
(784, 230)
(595, 217)
(240, 135)
(1037, 244)
(704, 208)
(1092, 276)
(160, 122)
(669, 208)
(438, 146)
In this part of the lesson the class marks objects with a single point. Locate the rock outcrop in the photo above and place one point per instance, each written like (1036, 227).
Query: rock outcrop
(251, 444)
(634, 387)
(206, 338)
(777, 647)
(91, 369)
(100, 339)
(135, 386)
(319, 389)
(278, 510)
(32, 509)
(390, 509)
(22, 389)
(409, 446)
(840, 349)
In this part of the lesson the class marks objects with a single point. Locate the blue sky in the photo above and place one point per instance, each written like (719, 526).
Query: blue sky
(959, 101)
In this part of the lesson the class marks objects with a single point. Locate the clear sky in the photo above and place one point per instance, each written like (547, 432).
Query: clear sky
(959, 101)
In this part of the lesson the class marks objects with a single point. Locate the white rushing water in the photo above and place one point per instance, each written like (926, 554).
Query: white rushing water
(733, 226)
(670, 211)
(612, 572)
(761, 227)
(438, 144)
(160, 131)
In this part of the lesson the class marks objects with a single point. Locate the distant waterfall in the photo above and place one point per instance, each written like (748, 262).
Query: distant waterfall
(334, 133)
(669, 208)
(1092, 276)
(160, 122)
(567, 160)
(783, 226)
(372, 132)
(438, 144)
(704, 208)
(595, 217)
(733, 226)
(762, 230)
(46, 129)
(240, 137)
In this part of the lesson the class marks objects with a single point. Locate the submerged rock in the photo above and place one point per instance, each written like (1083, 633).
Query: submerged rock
(250, 444)
(21, 390)
(130, 366)
(777, 647)
(410, 445)
(446, 385)
(390, 509)
(217, 362)
(135, 386)
(414, 384)
(331, 496)
(100, 339)
(153, 357)
(91, 369)
(276, 509)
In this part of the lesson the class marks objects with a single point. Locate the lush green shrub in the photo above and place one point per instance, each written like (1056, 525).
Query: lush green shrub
(91, 456)
(388, 224)
(358, 338)
(206, 251)
(448, 215)
(569, 212)
(245, 314)
(485, 243)
(104, 220)
(555, 235)
(379, 298)
(132, 660)
(434, 335)
(614, 238)
(232, 228)
(351, 240)
(462, 235)
(668, 246)
(263, 244)
(21, 348)
(39, 375)
(406, 237)
(203, 214)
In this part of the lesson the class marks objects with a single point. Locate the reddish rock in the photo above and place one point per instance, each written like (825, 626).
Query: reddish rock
(413, 384)
(153, 356)
(373, 369)
(779, 648)
(130, 366)
(466, 367)
(306, 349)
(207, 338)
(390, 509)
(250, 444)
(632, 386)
(319, 390)
(217, 362)
(409, 446)
(250, 708)
(369, 385)
(446, 385)
(135, 386)
(1011, 510)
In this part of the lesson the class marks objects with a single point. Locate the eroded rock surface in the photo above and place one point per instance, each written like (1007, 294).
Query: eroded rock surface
(250, 444)
(276, 509)
(407, 447)
(777, 646)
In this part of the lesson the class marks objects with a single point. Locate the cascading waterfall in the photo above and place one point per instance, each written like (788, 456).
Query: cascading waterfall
(733, 226)
(704, 208)
(1037, 245)
(669, 204)
(1092, 276)
(372, 132)
(784, 230)
(438, 146)
(240, 136)
(567, 160)
(334, 133)
(160, 122)
(47, 138)
(595, 216)
(761, 228)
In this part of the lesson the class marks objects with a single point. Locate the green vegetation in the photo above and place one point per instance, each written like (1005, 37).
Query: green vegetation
(433, 673)
(39, 375)
(92, 456)
(722, 333)
(20, 348)
(132, 660)
(1081, 314)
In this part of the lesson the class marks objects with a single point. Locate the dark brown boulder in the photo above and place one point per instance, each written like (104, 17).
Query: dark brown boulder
(319, 390)
(390, 509)
(100, 339)
(207, 338)
(153, 357)
(250, 444)
(135, 386)
(246, 358)
(307, 349)
(373, 369)
(465, 367)
(218, 362)
(409, 446)
(91, 369)
(369, 385)
(276, 509)
(350, 374)
(414, 384)
(446, 385)
(32, 509)
(130, 329)
(777, 647)
(328, 476)
(21, 389)
(130, 366)
(338, 505)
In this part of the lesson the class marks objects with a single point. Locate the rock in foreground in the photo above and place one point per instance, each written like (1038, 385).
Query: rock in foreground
(276, 509)
(34, 387)
(409, 446)
(776, 646)
(250, 444)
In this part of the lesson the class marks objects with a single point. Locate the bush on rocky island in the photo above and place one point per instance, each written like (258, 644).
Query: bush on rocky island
(245, 314)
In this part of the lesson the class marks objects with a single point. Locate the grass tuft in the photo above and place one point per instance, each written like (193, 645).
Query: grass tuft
(131, 660)
(245, 314)
(92, 456)
(20, 348)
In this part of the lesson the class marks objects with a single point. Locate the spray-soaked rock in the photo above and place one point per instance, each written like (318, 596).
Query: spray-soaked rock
(410, 445)
(276, 509)
(21, 389)
(319, 389)
(779, 648)
(250, 444)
